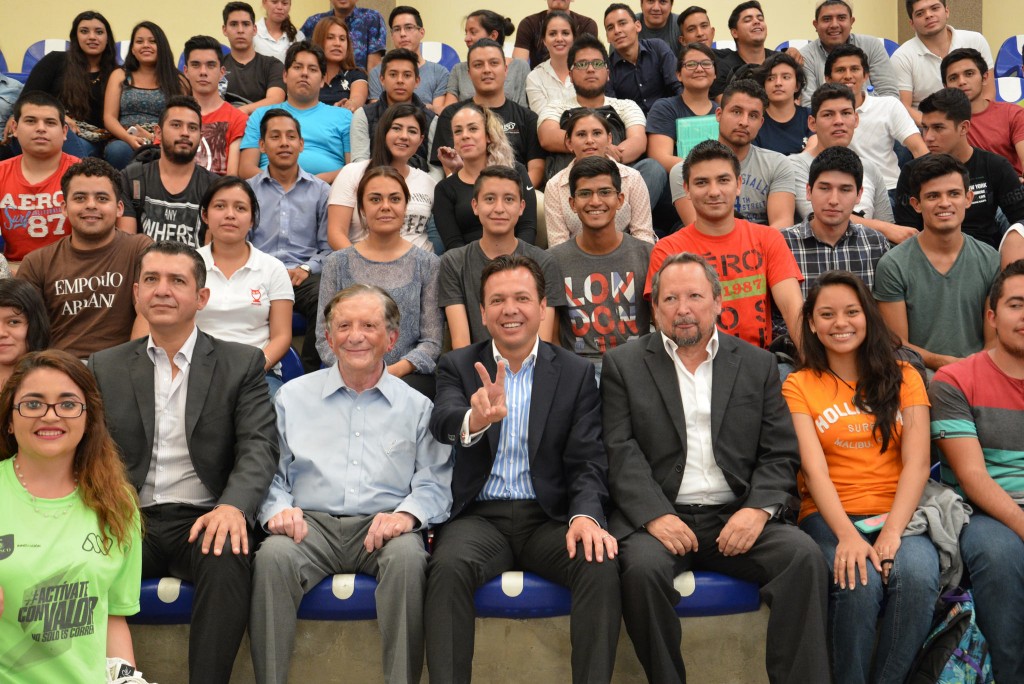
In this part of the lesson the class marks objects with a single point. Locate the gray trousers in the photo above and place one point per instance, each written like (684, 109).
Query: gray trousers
(285, 571)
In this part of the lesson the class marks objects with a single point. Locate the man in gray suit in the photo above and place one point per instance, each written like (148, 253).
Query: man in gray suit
(702, 469)
(192, 419)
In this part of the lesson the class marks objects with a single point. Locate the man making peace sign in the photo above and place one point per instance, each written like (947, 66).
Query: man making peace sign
(530, 481)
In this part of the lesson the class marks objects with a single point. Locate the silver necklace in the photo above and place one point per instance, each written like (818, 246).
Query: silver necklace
(59, 513)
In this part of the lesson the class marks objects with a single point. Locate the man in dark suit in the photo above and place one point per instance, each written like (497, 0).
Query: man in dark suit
(192, 419)
(529, 486)
(702, 468)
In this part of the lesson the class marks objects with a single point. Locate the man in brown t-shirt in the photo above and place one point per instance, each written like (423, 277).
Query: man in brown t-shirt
(530, 41)
(86, 278)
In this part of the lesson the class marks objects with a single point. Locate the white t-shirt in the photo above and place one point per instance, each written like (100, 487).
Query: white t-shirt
(1017, 228)
(239, 307)
(628, 111)
(874, 200)
(883, 120)
(917, 68)
(417, 212)
(543, 86)
(266, 45)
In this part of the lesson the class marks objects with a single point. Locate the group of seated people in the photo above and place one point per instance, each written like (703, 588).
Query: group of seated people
(572, 384)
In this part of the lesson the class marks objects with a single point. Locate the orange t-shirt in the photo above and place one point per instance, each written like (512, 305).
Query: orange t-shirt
(864, 478)
(31, 214)
(750, 260)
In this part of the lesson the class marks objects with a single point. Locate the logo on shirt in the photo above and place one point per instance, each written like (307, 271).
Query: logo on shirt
(6, 545)
(257, 297)
(56, 609)
(96, 543)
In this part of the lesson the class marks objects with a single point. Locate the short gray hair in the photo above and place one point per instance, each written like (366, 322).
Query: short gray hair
(686, 258)
(392, 316)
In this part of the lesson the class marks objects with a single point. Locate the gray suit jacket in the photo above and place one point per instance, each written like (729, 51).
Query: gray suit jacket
(229, 421)
(645, 432)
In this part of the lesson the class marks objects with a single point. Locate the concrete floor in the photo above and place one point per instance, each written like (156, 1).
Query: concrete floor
(717, 650)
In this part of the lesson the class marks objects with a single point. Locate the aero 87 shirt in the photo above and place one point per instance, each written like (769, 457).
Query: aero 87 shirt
(31, 214)
(61, 581)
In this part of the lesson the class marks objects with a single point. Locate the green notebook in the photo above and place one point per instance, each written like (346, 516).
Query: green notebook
(691, 130)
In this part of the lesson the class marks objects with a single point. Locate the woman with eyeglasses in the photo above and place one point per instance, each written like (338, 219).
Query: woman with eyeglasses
(550, 81)
(696, 71)
(70, 539)
(588, 134)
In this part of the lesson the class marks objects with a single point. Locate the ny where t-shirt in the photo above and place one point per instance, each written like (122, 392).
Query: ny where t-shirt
(865, 479)
(750, 260)
(160, 214)
(605, 306)
(459, 281)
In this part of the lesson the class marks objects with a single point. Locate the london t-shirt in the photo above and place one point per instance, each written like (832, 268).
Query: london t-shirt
(31, 214)
(160, 214)
(88, 294)
(605, 307)
(61, 581)
(865, 479)
(220, 129)
(750, 260)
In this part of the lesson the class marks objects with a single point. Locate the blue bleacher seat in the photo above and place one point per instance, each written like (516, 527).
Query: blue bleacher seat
(121, 49)
(934, 473)
(890, 46)
(441, 53)
(1008, 59)
(3, 64)
(224, 49)
(513, 594)
(39, 49)
(1010, 89)
(786, 44)
(291, 365)
(298, 324)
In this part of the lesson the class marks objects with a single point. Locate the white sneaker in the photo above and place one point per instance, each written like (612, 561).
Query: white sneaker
(120, 671)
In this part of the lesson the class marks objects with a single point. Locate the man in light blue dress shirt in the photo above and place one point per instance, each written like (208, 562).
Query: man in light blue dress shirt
(360, 476)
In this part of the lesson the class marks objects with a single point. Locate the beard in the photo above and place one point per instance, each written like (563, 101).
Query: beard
(692, 339)
(584, 92)
(175, 156)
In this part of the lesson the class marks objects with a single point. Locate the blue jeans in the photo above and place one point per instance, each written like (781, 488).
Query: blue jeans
(118, 153)
(994, 555)
(655, 177)
(898, 615)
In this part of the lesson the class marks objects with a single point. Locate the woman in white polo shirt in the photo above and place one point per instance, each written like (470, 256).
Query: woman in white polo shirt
(251, 294)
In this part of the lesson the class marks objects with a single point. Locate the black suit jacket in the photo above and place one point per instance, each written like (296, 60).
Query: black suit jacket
(568, 466)
(229, 421)
(645, 431)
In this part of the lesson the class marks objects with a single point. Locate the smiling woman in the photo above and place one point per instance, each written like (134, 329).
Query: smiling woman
(66, 512)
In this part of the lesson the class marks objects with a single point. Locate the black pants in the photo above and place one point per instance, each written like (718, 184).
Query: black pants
(220, 610)
(490, 538)
(784, 561)
(307, 295)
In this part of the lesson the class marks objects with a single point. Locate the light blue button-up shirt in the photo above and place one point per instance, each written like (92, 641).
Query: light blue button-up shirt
(293, 224)
(358, 453)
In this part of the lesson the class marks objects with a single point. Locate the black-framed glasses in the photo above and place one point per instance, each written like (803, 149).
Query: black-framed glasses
(583, 64)
(705, 64)
(34, 408)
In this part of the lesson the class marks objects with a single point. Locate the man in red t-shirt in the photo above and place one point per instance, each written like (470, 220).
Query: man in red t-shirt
(30, 195)
(995, 126)
(753, 262)
(223, 125)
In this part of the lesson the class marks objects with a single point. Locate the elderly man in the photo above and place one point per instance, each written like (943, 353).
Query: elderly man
(360, 476)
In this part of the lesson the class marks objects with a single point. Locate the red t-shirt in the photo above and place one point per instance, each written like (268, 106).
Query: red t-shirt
(998, 129)
(31, 214)
(220, 129)
(750, 259)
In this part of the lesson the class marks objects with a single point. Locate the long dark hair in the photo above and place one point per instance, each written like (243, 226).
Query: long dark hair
(380, 155)
(168, 78)
(879, 376)
(25, 299)
(74, 88)
(102, 482)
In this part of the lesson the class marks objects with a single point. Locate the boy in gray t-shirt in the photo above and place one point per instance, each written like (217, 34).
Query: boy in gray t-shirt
(603, 269)
(498, 201)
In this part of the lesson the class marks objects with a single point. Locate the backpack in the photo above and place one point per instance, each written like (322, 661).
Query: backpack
(955, 651)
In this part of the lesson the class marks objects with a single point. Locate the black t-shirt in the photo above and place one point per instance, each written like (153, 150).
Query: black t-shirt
(458, 225)
(520, 127)
(48, 76)
(995, 185)
(249, 82)
(726, 62)
(161, 215)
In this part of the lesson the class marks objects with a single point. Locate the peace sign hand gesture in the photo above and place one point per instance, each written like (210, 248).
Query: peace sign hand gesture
(488, 402)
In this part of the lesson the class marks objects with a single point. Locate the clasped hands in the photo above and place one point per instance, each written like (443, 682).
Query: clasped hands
(736, 538)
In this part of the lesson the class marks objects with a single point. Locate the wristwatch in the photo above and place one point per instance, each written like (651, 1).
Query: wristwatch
(306, 268)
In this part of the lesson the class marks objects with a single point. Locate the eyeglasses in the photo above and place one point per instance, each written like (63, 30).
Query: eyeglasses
(583, 64)
(603, 193)
(38, 409)
(407, 28)
(705, 64)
